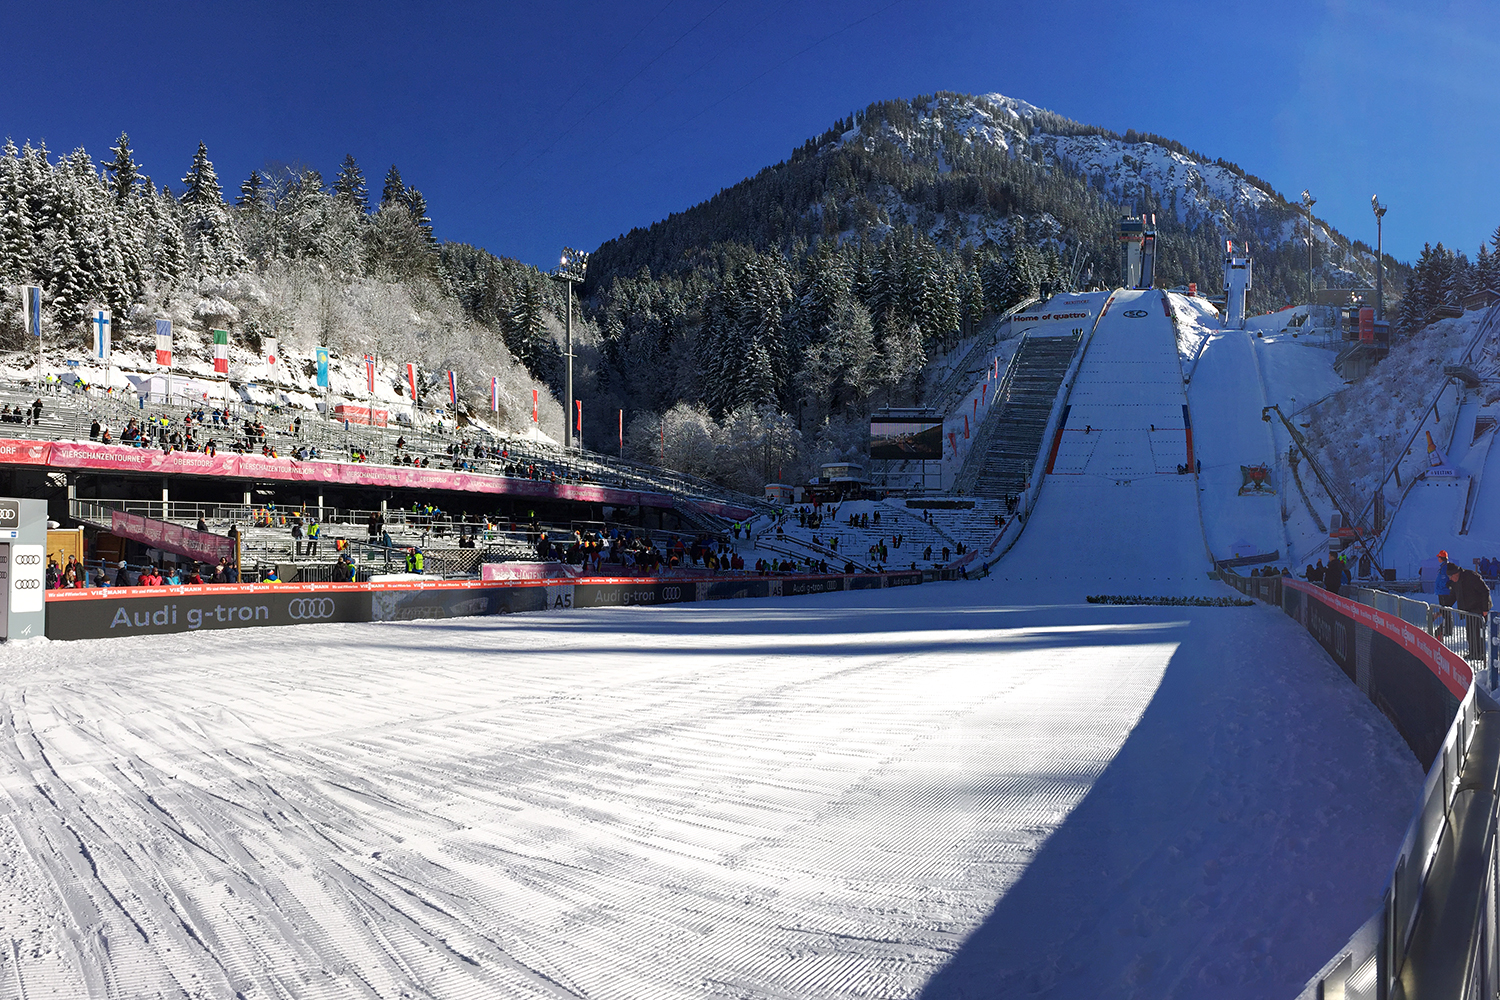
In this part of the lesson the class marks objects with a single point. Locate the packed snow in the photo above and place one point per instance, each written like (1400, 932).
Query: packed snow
(967, 789)
(937, 791)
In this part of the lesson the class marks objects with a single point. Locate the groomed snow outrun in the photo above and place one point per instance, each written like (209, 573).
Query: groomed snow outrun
(966, 789)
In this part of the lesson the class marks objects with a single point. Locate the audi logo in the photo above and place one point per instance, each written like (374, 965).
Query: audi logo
(671, 593)
(27, 560)
(1136, 313)
(28, 585)
(306, 609)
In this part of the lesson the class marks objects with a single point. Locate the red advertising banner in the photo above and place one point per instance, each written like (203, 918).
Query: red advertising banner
(203, 546)
(153, 461)
(364, 415)
(1446, 665)
(1367, 325)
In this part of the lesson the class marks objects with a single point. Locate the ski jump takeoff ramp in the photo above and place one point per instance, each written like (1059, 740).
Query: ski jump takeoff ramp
(1118, 505)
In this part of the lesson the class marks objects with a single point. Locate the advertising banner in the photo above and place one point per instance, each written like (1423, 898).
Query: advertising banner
(625, 593)
(896, 439)
(1255, 480)
(730, 590)
(165, 610)
(204, 546)
(397, 606)
(796, 586)
(363, 415)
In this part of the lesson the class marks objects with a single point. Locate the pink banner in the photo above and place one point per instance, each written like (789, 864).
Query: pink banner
(153, 461)
(14, 452)
(203, 546)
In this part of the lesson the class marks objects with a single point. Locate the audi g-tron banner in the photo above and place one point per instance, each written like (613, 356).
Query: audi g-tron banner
(161, 610)
(99, 614)
(898, 439)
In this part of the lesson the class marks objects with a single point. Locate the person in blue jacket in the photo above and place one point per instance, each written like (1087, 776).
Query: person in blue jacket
(1444, 593)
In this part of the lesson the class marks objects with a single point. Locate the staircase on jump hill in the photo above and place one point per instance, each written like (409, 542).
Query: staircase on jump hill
(1005, 449)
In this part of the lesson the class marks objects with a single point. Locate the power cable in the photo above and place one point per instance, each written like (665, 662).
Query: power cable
(651, 62)
(852, 24)
(516, 150)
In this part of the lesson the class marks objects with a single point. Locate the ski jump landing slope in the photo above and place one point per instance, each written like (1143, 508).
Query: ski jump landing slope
(1227, 397)
(1116, 508)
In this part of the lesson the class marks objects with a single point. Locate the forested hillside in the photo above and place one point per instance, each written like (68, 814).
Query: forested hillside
(769, 319)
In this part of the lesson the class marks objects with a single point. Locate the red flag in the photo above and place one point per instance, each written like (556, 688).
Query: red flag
(533, 405)
(370, 372)
(622, 433)
(411, 380)
(966, 427)
(579, 403)
(953, 440)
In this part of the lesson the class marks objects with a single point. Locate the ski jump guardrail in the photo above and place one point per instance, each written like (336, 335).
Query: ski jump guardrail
(1435, 932)
(113, 611)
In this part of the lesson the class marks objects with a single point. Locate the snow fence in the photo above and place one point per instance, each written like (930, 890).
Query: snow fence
(1437, 932)
(100, 614)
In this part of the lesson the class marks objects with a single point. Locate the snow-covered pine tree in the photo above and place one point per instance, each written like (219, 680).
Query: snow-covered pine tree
(122, 171)
(212, 243)
(394, 192)
(349, 186)
(417, 206)
(252, 197)
(17, 256)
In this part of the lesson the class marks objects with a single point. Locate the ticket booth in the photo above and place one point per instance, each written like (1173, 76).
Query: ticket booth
(23, 562)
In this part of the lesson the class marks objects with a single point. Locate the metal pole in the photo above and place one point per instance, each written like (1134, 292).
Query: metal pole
(1379, 268)
(568, 406)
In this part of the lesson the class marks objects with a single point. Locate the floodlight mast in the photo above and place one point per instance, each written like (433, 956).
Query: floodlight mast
(1308, 201)
(570, 271)
(1379, 211)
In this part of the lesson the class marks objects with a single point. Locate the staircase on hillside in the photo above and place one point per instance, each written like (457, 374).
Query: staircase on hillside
(1005, 450)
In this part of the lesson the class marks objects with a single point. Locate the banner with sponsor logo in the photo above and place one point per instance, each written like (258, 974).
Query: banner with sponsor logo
(95, 614)
(204, 546)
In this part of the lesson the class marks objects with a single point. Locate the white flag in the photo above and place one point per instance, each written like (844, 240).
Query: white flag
(102, 331)
(271, 358)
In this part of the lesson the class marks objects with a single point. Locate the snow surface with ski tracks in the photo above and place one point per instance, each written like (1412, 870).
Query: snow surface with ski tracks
(984, 789)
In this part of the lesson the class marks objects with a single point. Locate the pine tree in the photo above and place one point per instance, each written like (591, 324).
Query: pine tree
(16, 242)
(252, 193)
(417, 206)
(394, 192)
(349, 186)
(212, 243)
(123, 173)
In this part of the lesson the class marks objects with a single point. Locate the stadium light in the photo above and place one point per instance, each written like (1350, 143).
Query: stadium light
(1308, 201)
(571, 270)
(1379, 211)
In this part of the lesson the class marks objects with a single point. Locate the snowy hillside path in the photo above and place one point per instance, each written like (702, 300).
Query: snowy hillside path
(862, 794)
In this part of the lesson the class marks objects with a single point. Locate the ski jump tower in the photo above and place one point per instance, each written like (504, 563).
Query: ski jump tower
(1138, 251)
(1236, 284)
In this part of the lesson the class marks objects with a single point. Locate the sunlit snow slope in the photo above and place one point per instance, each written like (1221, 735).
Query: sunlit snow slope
(1227, 398)
(932, 791)
(1117, 514)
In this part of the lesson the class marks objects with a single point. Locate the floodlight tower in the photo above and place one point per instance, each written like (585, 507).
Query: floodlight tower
(575, 263)
(1308, 201)
(1379, 210)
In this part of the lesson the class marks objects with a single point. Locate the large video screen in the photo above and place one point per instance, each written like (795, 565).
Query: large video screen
(910, 438)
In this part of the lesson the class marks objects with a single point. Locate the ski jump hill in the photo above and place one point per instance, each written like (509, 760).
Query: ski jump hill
(1119, 504)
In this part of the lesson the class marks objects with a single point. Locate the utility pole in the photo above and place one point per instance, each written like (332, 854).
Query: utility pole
(1308, 201)
(574, 265)
(1379, 210)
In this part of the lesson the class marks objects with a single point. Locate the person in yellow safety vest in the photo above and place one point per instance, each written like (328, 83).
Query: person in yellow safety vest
(414, 560)
(313, 531)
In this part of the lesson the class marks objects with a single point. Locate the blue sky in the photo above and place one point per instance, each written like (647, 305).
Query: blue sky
(531, 127)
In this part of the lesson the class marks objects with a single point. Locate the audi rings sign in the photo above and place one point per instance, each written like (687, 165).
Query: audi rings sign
(23, 566)
(199, 609)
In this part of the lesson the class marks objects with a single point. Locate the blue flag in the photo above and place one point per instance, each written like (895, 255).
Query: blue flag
(31, 307)
(322, 367)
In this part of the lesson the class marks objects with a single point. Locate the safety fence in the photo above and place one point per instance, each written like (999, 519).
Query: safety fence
(95, 614)
(1436, 932)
